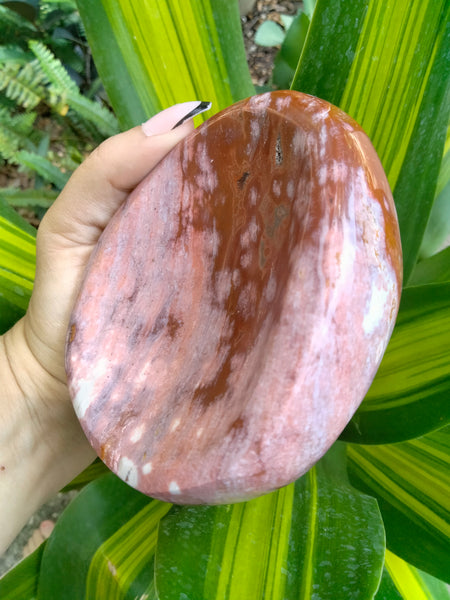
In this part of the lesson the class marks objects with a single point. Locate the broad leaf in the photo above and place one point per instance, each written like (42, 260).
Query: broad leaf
(363, 56)
(286, 60)
(102, 545)
(315, 538)
(402, 581)
(411, 481)
(435, 269)
(410, 393)
(437, 233)
(17, 265)
(21, 583)
(167, 52)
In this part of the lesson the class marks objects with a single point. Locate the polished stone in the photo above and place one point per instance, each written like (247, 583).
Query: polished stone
(235, 311)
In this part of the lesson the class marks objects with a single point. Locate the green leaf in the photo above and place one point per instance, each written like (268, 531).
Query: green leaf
(437, 233)
(173, 51)
(435, 269)
(13, 54)
(287, 58)
(21, 583)
(411, 481)
(402, 581)
(25, 8)
(29, 197)
(102, 545)
(114, 70)
(316, 538)
(410, 392)
(92, 472)
(17, 265)
(65, 86)
(363, 56)
(269, 34)
(42, 167)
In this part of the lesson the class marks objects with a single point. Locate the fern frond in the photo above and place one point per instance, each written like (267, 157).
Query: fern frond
(65, 162)
(95, 113)
(42, 167)
(63, 89)
(15, 132)
(23, 84)
(9, 143)
(83, 129)
(21, 123)
(53, 68)
(27, 198)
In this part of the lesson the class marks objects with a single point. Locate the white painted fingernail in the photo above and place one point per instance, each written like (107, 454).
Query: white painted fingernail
(173, 117)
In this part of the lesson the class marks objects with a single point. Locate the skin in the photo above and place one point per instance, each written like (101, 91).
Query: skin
(42, 446)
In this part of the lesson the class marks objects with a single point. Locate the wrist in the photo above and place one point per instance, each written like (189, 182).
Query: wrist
(42, 446)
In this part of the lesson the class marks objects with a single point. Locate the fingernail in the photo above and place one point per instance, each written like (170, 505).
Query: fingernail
(173, 117)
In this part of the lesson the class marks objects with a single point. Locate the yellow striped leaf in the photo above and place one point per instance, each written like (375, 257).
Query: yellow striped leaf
(103, 545)
(167, 51)
(126, 555)
(411, 481)
(402, 581)
(316, 538)
(17, 265)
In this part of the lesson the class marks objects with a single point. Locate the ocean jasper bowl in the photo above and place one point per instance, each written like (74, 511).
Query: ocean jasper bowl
(237, 307)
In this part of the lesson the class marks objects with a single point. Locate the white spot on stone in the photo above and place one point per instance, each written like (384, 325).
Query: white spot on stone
(290, 189)
(253, 196)
(246, 260)
(282, 103)
(175, 424)
(323, 136)
(236, 277)
(127, 471)
(174, 488)
(253, 229)
(207, 179)
(245, 239)
(137, 434)
(320, 115)
(262, 101)
(147, 468)
(271, 288)
(323, 175)
(199, 431)
(83, 397)
(255, 130)
(276, 187)
(376, 310)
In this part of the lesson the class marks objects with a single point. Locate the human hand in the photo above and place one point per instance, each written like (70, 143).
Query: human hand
(41, 442)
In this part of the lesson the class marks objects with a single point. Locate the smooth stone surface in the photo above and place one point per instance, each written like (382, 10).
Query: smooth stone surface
(235, 311)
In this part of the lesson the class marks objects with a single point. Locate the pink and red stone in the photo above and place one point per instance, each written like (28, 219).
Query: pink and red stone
(236, 309)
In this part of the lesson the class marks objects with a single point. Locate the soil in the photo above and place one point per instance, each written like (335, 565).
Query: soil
(260, 59)
(260, 63)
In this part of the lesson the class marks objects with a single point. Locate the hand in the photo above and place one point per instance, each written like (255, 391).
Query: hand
(42, 446)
